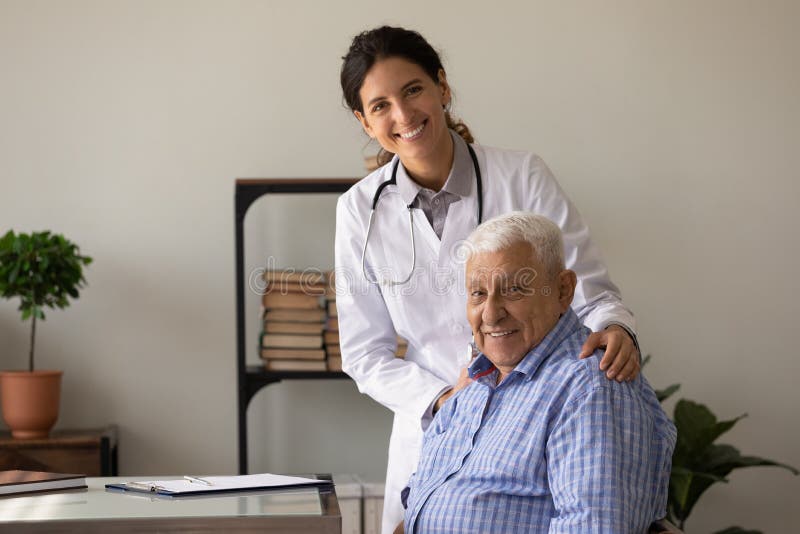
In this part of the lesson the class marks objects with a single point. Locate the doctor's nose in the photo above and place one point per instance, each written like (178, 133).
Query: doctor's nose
(404, 113)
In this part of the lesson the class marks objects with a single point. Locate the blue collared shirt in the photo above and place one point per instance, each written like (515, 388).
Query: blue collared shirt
(555, 447)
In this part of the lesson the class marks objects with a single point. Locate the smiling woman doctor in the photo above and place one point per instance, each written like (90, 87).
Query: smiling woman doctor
(399, 270)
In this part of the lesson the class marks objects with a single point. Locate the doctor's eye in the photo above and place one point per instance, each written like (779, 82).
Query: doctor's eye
(414, 89)
(378, 107)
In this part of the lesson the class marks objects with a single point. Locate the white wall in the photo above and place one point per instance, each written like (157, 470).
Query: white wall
(673, 126)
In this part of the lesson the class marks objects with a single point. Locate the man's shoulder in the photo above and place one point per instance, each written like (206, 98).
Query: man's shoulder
(584, 380)
(581, 377)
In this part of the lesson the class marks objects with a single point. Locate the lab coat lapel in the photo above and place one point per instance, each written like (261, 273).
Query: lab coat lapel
(423, 229)
(462, 219)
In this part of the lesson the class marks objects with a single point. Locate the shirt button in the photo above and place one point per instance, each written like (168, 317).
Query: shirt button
(436, 201)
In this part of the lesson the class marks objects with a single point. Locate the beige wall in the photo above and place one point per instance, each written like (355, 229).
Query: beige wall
(673, 126)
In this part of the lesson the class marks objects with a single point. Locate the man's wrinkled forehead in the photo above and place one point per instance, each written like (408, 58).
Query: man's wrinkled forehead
(516, 264)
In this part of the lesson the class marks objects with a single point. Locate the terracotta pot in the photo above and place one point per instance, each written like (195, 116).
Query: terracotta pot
(30, 401)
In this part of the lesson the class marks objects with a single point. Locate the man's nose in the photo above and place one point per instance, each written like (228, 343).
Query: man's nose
(493, 310)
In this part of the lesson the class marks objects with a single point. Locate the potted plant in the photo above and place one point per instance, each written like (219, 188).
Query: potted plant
(698, 462)
(43, 270)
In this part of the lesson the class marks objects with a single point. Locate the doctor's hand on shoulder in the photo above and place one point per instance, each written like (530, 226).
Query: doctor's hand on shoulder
(621, 359)
(463, 381)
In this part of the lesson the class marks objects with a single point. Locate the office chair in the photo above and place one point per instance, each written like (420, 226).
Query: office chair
(662, 526)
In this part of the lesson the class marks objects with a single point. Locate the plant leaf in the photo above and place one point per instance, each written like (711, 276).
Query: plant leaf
(697, 429)
(664, 394)
(683, 486)
(722, 459)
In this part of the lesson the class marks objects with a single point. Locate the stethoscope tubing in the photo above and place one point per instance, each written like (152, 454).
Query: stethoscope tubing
(376, 197)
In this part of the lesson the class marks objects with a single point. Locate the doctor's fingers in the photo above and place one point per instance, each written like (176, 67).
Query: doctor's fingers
(626, 353)
(615, 357)
(631, 369)
(592, 343)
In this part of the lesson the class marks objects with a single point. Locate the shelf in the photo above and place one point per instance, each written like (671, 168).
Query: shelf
(258, 377)
(251, 378)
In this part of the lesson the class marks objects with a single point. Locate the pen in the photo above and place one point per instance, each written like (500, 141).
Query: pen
(198, 480)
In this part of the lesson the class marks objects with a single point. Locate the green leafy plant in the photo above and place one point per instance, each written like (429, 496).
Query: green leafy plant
(698, 462)
(43, 270)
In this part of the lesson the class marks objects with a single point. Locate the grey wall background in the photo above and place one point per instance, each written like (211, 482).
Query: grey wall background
(672, 125)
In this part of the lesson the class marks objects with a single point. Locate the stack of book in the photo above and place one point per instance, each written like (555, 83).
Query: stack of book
(294, 321)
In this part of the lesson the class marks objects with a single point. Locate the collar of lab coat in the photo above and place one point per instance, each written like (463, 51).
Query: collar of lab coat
(458, 181)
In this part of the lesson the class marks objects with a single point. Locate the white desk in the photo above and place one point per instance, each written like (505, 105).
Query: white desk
(99, 510)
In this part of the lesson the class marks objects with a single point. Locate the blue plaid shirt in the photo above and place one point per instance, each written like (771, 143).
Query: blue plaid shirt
(556, 447)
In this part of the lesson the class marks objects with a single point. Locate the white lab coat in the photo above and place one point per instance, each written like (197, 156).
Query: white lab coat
(429, 311)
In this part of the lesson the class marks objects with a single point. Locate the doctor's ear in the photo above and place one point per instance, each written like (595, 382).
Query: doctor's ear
(446, 95)
(364, 123)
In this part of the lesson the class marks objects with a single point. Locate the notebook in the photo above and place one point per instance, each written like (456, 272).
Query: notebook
(190, 485)
(16, 482)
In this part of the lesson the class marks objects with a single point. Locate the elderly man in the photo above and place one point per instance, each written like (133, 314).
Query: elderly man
(539, 441)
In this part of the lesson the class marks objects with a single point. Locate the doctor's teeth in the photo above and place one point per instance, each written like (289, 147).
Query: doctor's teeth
(412, 133)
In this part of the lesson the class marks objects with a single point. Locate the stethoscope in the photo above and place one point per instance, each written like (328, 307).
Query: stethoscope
(393, 181)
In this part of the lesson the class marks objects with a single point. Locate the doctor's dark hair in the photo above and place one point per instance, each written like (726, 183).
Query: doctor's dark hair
(380, 43)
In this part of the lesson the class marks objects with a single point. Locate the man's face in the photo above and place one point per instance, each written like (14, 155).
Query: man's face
(512, 302)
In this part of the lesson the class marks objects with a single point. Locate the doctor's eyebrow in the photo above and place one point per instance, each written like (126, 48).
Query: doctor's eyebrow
(406, 86)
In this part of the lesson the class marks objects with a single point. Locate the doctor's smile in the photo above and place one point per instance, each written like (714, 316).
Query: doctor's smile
(413, 134)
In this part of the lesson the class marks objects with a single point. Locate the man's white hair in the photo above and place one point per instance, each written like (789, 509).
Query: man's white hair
(518, 227)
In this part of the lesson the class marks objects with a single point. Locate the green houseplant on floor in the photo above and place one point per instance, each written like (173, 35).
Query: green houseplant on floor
(44, 270)
(698, 462)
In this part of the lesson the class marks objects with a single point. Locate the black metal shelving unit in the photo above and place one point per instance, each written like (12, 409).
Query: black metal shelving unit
(251, 378)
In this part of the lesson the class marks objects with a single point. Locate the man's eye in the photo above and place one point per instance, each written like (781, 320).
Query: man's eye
(514, 291)
(377, 107)
(413, 90)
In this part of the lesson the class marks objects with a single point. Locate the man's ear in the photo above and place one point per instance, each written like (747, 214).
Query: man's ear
(446, 94)
(364, 123)
(567, 280)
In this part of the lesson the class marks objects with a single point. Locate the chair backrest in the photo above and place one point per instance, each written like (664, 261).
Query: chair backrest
(662, 526)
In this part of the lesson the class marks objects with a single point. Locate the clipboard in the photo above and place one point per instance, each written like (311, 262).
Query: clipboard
(191, 485)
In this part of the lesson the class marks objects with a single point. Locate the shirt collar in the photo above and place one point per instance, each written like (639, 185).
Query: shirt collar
(566, 326)
(459, 181)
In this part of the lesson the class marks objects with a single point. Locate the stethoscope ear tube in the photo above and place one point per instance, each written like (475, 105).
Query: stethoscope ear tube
(478, 183)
